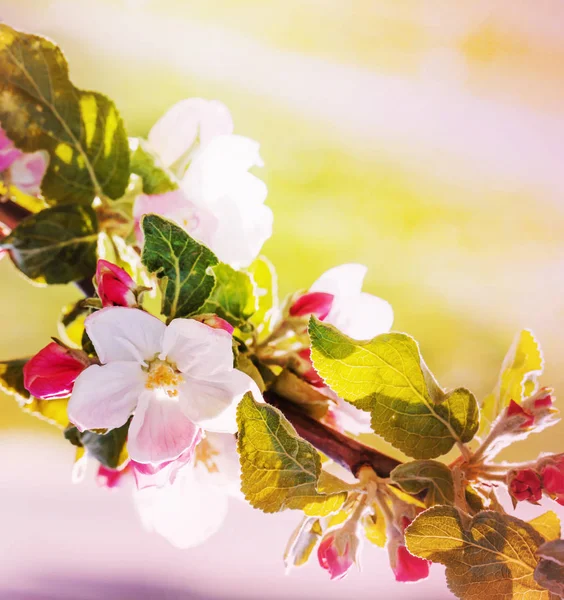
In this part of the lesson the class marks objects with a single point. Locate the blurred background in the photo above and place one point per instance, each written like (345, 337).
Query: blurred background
(424, 138)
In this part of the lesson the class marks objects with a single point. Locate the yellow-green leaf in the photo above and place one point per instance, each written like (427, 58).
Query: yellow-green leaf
(428, 476)
(279, 470)
(548, 525)
(375, 528)
(493, 556)
(264, 276)
(155, 178)
(386, 376)
(52, 411)
(518, 379)
(41, 109)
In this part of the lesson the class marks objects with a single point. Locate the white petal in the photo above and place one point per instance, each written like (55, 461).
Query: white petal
(104, 396)
(361, 317)
(159, 430)
(186, 123)
(120, 333)
(197, 349)
(228, 473)
(212, 404)
(344, 280)
(186, 513)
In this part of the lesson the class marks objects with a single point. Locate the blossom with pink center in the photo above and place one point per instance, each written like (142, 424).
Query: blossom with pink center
(552, 475)
(115, 286)
(312, 303)
(219, 202)
(174, 379)
(52, 372)
(525, 485)
(356, 313)
(337, 553)
(23, 170)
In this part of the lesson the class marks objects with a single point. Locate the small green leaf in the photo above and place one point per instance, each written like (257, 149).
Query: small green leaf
(550, 570)
(181, 263)
(264, 276)
(279, 470)
(386, 377)
(492, 557)
(518, 379)
(107, 448)
(428, 476)
(145, 164)
(41, 109)
(233, 296)
(548, 525)
(11, 379)
(56, 245)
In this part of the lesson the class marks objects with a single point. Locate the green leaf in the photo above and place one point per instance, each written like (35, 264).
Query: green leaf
(492, 557)
(181, 263)
(146, 164)
(233, 296)
(41, 109)
(11, 379)
(56, 245)
(107, 448)
(279, 470)
(428, 476)
(386, 376)
(550, 570)
(548, 525)
(518, 379)
(264, 276)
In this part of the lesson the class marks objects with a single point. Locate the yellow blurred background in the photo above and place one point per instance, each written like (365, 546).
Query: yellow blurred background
(424, 138)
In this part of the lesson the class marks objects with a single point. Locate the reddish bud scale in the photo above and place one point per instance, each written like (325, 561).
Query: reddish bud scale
(312, 303)
(308, 372)
(525, 485)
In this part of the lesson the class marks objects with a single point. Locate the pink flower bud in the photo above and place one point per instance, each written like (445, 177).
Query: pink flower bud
(115, 286)
(216, 322)
(552, 474)
(8, 152)
(337, 553)
(515, 409)
(52, 371)
(306, 370)
(409, 567)
(111, 478)
(312, 303)
(525, 485)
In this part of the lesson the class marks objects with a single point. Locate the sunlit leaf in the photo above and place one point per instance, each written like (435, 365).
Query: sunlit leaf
(428, 476)
(548, 525)
(264, 276)
(375, 528)
(41, 109)
(385, 376)
(279, 470)
(492, 557)
(56, 245)
(181, 263)
(145, 164)
(233, 296)
(518, 379)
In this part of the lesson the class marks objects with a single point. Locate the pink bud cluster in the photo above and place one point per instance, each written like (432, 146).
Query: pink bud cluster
(546, 476)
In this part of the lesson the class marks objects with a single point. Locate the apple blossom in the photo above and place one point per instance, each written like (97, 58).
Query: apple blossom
(356, 313)
(337, 552)
(52, 372)
(115, 286)
(219, 202)
(525, 485)
(175, 380)
(23, 170)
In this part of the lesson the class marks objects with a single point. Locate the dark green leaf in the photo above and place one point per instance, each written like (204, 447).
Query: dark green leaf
(154, 176)
(181, 263)
(56, 245)
(387, 377)
(11, 378)
(41, 109)
(428, 476)
(106, 448)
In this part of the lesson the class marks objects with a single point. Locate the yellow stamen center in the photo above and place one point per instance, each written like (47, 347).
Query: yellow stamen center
(205, 453)
(163, 376)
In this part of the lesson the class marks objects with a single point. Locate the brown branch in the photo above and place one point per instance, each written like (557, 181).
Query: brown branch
(349, 453)
(12, 214)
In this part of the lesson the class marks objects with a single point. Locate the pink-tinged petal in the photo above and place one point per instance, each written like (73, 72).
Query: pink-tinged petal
(212, 403)
(515, 409)
(216, 323)
(115, 286)
(160, 431)
(344, 280)
(51, 373)
(27, 172)
(112, 478)
(185, 513)
(361, 317)
(105, 396)
(543, 402)
(125, 334)
(336, 564)
(165, 473)
(196, 349)
(8, 152)
(313, 303)
(185, 124)
(306, 370)
(410, 568)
